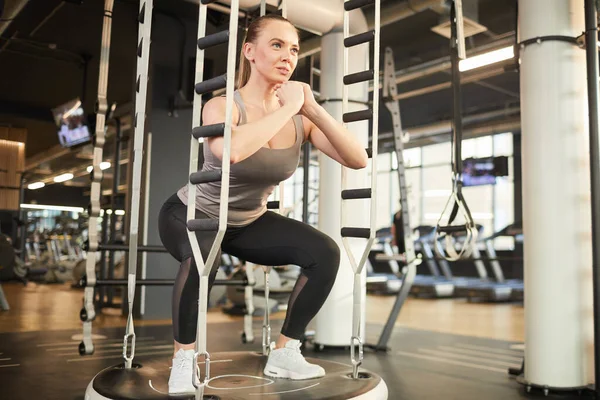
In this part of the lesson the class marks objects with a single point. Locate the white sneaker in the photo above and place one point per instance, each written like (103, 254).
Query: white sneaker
(289, 363)
(180, 381)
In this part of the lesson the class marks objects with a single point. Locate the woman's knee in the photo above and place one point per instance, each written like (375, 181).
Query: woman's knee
(329, 257)
(172, 232)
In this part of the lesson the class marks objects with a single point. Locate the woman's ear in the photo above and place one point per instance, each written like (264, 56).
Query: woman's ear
(249, 51)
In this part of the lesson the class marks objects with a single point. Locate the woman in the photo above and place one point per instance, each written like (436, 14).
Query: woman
(272, 118)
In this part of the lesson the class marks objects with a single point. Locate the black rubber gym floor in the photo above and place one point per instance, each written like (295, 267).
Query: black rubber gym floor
(420, 365)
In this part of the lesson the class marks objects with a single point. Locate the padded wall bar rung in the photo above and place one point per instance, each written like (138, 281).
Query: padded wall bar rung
(354, 4)
(206, 131)
(350, 194)
(359, 39)
(141, 16)
(206, 176)
(357, 77)
(213, 40)
(219, 82)
(358, 115)
(273, 205)
(206, 224)
(364, 233)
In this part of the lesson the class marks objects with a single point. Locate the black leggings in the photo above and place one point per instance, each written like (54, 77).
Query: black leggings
(271, 240)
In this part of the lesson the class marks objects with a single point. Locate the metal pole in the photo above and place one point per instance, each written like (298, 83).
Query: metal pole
(115, 191)
(591, 42)
(104, 273)
(23, 219)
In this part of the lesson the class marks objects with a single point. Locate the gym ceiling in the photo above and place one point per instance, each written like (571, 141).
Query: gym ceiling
(49, 54)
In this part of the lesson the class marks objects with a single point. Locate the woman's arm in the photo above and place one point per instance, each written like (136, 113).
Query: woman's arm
(247, 139)
(330, 137)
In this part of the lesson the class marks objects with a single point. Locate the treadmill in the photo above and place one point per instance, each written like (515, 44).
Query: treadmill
(383, 275)
(435, 285)
(464, 284)
(515, 231)
(499, 289)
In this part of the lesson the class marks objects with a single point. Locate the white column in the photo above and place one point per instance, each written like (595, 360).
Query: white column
(556, 197)
(334, 321)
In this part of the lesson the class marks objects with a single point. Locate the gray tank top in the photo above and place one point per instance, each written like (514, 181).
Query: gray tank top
(251, 180)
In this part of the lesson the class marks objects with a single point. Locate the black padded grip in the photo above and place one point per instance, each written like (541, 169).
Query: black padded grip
(207, 131)
(213, 40)
(452, 229)
(203, 224)
(206, 176)
(350, 194)
(141, 16)
(354, 4)
(356, 232)
(272, 205)
(359, 77)
(358, 115)
(360, 38)
(211, 85)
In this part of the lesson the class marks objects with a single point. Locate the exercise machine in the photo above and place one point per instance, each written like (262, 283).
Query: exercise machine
(499, 288)
(383, 275)
(409, 260)
(149, 380)
(434, 285)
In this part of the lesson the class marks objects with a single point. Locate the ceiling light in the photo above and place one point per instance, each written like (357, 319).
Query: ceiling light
(48, 207)
(36, 185)
(63, 178)
(486, 59)
(103, 165)
(72, 110)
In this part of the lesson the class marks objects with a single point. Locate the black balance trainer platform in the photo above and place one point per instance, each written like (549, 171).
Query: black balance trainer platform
(236, 376)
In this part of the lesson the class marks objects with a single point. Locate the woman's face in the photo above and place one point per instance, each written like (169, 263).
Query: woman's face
(275, 53)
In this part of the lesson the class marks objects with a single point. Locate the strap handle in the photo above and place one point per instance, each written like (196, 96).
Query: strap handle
(448, 232)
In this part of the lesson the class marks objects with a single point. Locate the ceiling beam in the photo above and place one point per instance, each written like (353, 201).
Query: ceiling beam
(45, 156)
(59, 151)
(14, 109)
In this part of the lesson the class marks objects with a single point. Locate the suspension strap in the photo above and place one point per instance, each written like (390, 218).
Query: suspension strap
(367, 193)
(449, 231)
(199, 177)
(88, 312)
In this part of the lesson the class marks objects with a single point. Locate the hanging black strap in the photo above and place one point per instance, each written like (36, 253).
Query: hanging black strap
(456, 110)
(456, 198)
